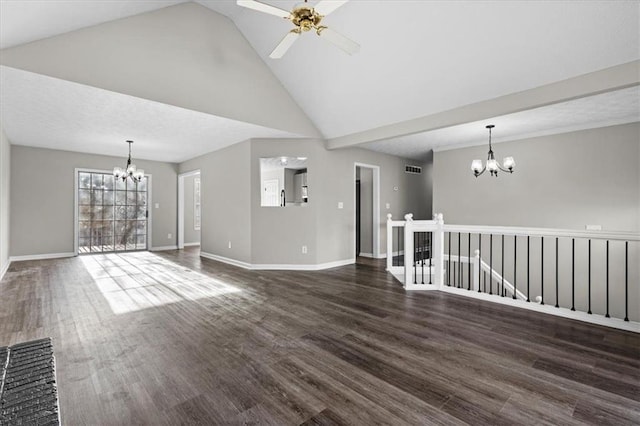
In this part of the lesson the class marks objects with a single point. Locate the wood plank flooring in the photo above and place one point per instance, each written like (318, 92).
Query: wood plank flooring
(170, 338)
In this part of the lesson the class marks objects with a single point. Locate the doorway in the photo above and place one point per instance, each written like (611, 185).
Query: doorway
(111, 214)
(189, 209)
(366, 236)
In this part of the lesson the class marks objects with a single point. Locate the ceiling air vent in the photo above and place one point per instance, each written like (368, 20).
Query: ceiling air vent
(416, 170)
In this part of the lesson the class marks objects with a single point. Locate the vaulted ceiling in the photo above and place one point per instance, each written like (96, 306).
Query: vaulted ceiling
(429, 74)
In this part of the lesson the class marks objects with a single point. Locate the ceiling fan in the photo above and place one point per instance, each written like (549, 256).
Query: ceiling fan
(305, 18)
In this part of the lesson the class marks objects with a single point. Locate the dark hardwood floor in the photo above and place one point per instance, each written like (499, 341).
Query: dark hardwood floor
(169, 338)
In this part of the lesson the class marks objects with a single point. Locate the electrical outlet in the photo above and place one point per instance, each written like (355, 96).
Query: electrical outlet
(169, 236)
(304, 249)
(340, 205)
(229, 244)
(157, 205)
(388, 206)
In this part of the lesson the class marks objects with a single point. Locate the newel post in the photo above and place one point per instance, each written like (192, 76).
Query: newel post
(408, 250)
(476, 270)
(390, 243)
(438, 250)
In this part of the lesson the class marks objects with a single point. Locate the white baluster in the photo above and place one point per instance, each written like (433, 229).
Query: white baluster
(390, 243)
(476, 270)
(408, 250)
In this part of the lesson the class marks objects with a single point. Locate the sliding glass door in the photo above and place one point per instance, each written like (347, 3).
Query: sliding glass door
(112, 214)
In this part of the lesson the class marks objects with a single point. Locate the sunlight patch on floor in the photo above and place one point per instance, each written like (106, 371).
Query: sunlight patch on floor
(134, 281)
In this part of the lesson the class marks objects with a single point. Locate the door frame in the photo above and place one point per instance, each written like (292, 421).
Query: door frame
(376, 208)
(181, 201)
(76, 173)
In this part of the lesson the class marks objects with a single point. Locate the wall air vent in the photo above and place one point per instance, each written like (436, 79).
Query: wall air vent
(416, 170)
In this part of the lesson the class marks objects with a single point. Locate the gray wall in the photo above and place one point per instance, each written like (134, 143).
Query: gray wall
(191, 235)
(561, 181)
(266, 235)
(278, 233)
(42, 198)
(336, 226)
(366, 210)
(226, 205)
(5, 164)
(329, 232)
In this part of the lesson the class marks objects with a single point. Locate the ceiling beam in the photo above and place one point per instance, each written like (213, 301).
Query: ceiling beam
(606, 80)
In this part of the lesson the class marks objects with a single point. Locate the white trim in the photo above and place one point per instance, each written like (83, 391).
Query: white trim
(40, 256)
(181, 201)
(370, 255)
(190, 244)
(542, 232)
(549, 309)
(4, 269)
(376, 207)
(161, 248)
(223, 259)
(276, 266)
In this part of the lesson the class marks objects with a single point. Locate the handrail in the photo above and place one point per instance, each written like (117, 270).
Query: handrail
(543, 232)
(485, 267)
(507, 285)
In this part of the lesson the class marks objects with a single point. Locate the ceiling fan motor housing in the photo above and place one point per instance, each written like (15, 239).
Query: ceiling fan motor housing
(305, 17)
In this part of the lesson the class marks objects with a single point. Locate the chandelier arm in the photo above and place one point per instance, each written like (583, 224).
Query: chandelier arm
(503, 169)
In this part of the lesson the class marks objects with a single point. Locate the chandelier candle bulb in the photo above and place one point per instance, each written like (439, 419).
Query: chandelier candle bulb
(509, 163)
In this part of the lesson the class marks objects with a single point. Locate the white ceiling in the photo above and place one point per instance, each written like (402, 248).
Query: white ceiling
(47, 112)
(417, 58)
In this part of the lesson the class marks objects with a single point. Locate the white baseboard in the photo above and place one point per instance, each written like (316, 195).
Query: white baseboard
(164, 248)
(303, 267)
(191, 244)
(549, 309)
(227, 260)
(4, 269)
(278, 267)
(40, 256)
(369, 255)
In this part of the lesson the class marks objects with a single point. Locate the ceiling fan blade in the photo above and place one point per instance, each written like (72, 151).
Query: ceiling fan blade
(325, 7)
(263, 7)
(339, 40)
(285, 44)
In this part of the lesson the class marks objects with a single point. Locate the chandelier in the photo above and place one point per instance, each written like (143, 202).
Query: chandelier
(130, 171)
(492, 165)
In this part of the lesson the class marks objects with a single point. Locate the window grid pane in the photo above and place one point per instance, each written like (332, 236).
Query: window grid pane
(111, 213)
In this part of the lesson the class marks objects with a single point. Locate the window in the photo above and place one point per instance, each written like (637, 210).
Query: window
(112, 214)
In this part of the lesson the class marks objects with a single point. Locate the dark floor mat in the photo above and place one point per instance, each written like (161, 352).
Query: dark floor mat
(28, 393)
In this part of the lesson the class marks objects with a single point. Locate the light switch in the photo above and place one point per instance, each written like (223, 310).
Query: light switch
(594, 227)
(340, 205)
(157, 205)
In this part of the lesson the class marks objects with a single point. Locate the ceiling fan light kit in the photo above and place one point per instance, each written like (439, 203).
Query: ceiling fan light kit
(305, 18)
(508, 163)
